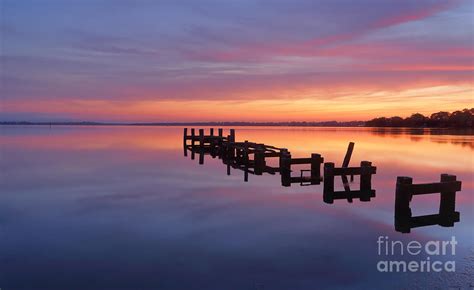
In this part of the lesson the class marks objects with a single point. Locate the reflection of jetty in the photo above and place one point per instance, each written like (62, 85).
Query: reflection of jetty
(252, 158)
(446, 217)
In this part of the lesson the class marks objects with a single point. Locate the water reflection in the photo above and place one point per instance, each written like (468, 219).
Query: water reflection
(461, 137)
(120, 208)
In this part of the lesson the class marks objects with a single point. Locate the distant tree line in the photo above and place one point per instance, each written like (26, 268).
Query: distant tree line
(457, 119)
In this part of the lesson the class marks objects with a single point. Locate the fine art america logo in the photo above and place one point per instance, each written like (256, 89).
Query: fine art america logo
(417, 257)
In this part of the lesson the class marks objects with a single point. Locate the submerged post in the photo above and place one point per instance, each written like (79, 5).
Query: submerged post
(402, 204)
(283, 151)
(193, 136)
(328, 182)
(365, 180)
(259, 159)
(285, 168)
(447, 203)
(201, 138)
(185, 138)
(316, 161)
(232, 135)
(230, 149)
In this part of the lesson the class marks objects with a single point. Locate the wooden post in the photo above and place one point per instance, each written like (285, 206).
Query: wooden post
(232, 135)
(230, 148)
(220, 132)
(259, 159)
(285, 168)
(201, 138)
(316, 161)
(193, 136)
(447, 203)
(365, 180)
(347, 158)
(245, 153)
(283, 152)
(185, 138)
(402, 204)
(328, 182)
(213, 147)
(211, 132)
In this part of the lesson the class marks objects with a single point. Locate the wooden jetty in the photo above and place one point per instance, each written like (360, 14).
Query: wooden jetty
(314, 161)
(251, 157)
(365, 192)
(405, 190)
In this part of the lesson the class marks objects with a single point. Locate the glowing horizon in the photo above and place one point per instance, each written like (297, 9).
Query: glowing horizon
(129, 61)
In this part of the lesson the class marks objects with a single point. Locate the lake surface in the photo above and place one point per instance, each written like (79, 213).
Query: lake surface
(103, 207)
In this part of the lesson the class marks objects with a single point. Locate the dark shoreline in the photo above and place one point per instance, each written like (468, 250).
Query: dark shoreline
(353, 124)
(225, 124)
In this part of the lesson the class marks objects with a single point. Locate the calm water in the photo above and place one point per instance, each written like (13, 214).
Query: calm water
(122, 208)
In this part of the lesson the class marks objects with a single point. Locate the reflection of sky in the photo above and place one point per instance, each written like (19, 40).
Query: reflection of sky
(120, 206)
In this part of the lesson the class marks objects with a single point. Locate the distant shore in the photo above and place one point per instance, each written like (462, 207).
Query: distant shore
(360, 124)
(461, 119)
(254, 124)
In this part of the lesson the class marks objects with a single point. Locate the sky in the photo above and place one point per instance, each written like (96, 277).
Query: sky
(214, 60)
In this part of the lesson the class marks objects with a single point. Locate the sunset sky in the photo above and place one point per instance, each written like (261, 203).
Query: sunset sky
(298, 60)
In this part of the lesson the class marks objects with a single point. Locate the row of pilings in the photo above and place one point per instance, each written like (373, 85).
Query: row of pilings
(252, 158)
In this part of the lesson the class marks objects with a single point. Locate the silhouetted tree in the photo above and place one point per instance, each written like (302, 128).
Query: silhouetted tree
(458, 119)
(416, 120)
(396, 121)
(377, 122)
(461, 118)
(439, 119)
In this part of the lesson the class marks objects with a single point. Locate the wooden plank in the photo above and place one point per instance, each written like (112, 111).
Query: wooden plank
(298, 179)
(273, 147)
(352, 170)
(207, 139)
(272, 154)
(347, 171)
(300, 160)
(427, 188)
(353, 193)
(433, 219)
